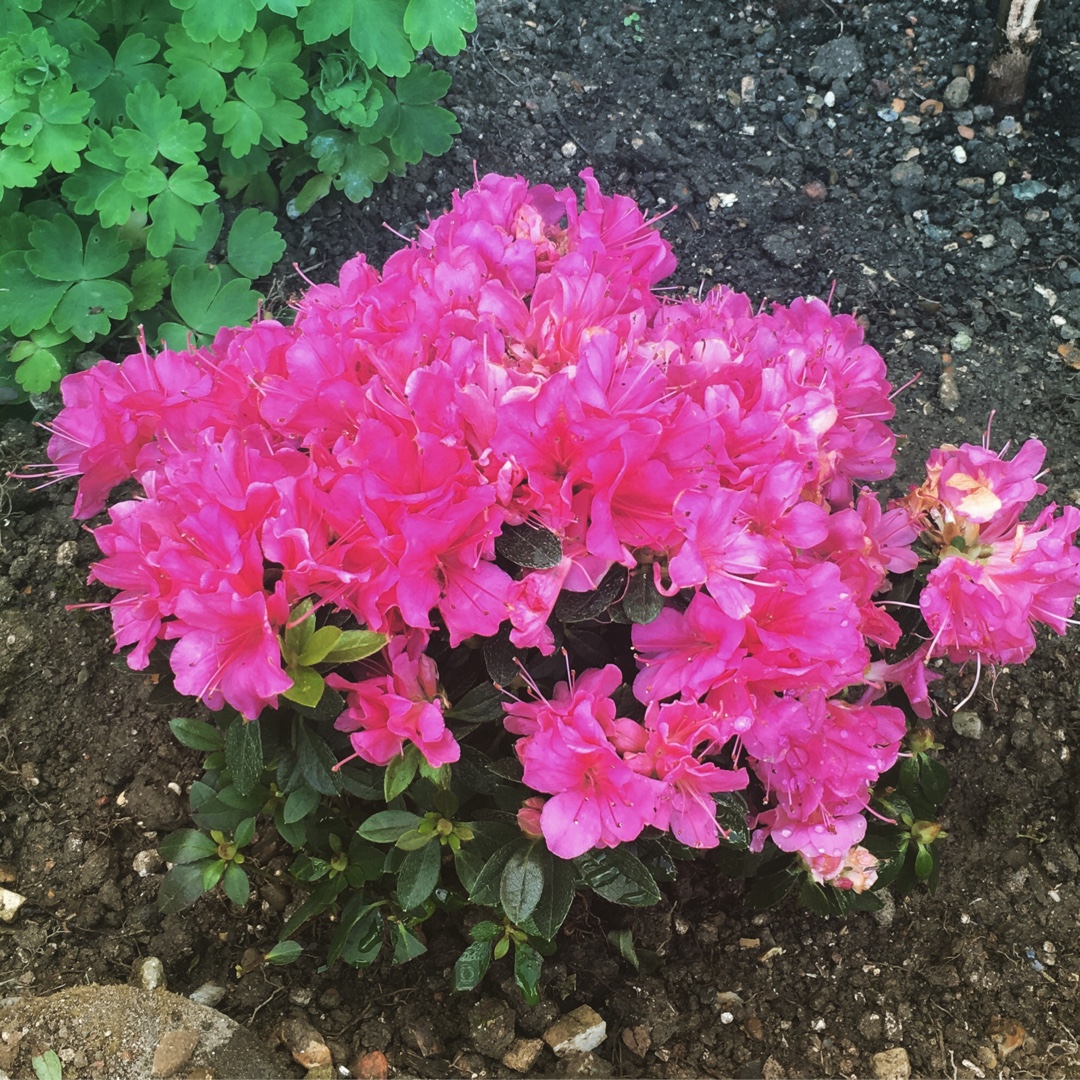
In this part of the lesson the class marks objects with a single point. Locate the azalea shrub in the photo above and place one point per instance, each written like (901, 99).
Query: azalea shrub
(503, 577)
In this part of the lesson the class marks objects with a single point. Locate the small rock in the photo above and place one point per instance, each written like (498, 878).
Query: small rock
(321, 1072)
(891, 1064)
(147, 862)
(96, 869)
(967, 724)
(173, 1051)
(521, 1055)
(837, 59)
(957, 92)
(908, 174)
(961, 342)
(149, 973)
(491, 1026)
(973, 185)
(965, 132)
(568, 149)
(637, 1040)
(372, 1066)
(305, 1044)
(209, 994)
(772, 1070)
(576, 1032)
(959, 155)
(584, 1064)
(10, 902)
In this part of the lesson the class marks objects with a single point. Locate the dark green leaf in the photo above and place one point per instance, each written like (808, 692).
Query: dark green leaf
(307, 868)
(418, 876)
(522, 882)
(316, 762)
(500, 656)
(770, 888)
(357, 913)
(559, 890)
(299, 804)
(197, 734)
(529, 546)
(180, 888)
(527, 966)
(244, 832)
(323, 897)
(485, 931)
(924, 862)
(236, 885)
(407, 946)
(284, 952)
(574, 607)
(822, 899)
(623, 940)
(731, 814)
(400, 773)
(642, 603)
(618, 876)
(481, 705)
(386, 826)
(243, 752)
(187, 846)
(935, 780)
(485, 889)
(468, 864)
(471, 966)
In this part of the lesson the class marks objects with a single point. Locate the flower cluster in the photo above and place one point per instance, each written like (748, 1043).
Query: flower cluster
(514, 368)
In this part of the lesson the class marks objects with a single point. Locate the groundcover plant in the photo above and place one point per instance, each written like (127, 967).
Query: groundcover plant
(504, 577)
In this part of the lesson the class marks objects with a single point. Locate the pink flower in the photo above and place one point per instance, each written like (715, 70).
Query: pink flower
(687, 652)
(387, 711)
(856, 869)
(528, 817)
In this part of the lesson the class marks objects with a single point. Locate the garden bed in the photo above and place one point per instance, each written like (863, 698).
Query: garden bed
(796, 142)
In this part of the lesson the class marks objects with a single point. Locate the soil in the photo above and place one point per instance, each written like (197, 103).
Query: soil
(810, 147)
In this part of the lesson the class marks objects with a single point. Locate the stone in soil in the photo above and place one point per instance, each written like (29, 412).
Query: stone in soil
(576, 1032)
(173, 1051)
(522, 1054)
(891, 1064)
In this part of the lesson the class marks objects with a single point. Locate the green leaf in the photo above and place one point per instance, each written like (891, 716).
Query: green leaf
(258, 114)
(88, 307)
(528, 964)
(354, 167)
(206, 303)
(324, 897)
(272, 57)
(355, 645)
(924, 862)
(821, 899)
(38, 368)
(148, 282)
(59, 254)
(194, 251)
(623, 940)
(486, 888)
(26, 302)
(62, 133)
(529, 546)
(48, 1066)
(481, 705)
(245, 832)
(400, 773)
(180, 888)
(197, 734)
(642, 602)
(307, 687)
(618, 876)
(423, 128)
(244, 754)
(486, 931)
(560, 887)
(173, 212)
(299, 804)
(770, 888)
(375, 27)
(187, 846)
(16, 168)
(522, 882)
(935, 780)
(284, 952)
(236, 885)
(212, 873)
(316, 761)
(254, 246)
(159, 128)
(319, 645)
(387, 825)
(359, 939)
(131, 68)
(418, 876)
(582, 606)
(439, 23)
(471, 966)
(407, 946)
(196, 68)
(207, 20)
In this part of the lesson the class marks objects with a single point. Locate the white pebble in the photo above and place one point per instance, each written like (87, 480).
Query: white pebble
(959, 155)
(569, 148)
